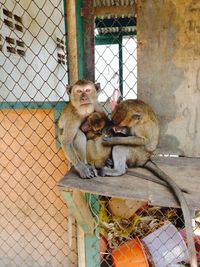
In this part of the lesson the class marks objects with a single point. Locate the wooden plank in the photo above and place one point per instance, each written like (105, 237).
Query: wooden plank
(81, 246)
(92, 244)
(184, 171)
(79, 209)
(87, 241)
(92, 251)
(72, 41)
(111, 10)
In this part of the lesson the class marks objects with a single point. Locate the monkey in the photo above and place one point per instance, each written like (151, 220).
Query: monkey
(135, 150)
(93, 127)
(137, 146)
(82, 102)
(98, 155)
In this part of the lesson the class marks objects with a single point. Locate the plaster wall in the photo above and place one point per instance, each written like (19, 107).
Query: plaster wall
(169, 70)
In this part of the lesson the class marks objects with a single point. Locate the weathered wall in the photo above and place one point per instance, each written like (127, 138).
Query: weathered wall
(169, 70)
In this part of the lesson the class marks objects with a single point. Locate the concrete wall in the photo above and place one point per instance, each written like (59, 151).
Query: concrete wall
(169, 70)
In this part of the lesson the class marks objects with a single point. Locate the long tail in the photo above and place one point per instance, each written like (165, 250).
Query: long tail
(185, 208)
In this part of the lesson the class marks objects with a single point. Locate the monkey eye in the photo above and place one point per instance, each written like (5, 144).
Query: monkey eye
(87, 90)
(136, 116)
(78, 91)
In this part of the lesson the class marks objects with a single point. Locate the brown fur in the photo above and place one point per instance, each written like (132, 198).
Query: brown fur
(97, 153)
(83, 101)
(136, 148)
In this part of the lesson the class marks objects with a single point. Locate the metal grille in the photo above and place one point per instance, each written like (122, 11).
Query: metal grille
(33, 76)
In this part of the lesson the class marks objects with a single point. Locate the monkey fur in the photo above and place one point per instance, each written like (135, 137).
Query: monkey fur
(93, 127)
(98, 154)
(136, 149)
(83, 101)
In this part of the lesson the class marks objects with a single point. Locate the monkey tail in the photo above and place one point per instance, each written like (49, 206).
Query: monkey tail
(151, 166)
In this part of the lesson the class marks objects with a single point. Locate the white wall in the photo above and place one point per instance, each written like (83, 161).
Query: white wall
(107, 68)
(37, 76)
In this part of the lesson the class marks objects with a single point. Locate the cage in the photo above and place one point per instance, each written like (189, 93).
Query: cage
(135, 49)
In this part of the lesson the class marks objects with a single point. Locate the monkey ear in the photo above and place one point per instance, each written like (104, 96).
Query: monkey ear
(98, 87)
(137, 116)
(69, 89)
(119, 113)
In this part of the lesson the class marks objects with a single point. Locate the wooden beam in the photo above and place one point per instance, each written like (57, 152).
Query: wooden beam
(184, 171)
(81, 246)
(72, 41)
(79, 209)
(92, 251)
(88, 26)
(111, 10)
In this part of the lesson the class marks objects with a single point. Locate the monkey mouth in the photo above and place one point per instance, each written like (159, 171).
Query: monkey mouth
(120, 129)
(85, 104)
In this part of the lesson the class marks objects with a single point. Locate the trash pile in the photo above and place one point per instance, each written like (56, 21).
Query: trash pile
(132, 234)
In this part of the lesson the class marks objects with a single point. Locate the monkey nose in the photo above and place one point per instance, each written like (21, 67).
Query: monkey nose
(83, 97)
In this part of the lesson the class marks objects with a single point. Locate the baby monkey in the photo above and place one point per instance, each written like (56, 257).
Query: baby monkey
(136, 149)
(96, 153)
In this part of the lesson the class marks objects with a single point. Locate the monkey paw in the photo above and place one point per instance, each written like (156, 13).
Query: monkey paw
(86, 171)
(109, 163)
(107, 140)
(101, 172)
(93, 170)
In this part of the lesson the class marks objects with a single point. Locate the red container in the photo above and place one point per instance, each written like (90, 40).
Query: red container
(130, 254)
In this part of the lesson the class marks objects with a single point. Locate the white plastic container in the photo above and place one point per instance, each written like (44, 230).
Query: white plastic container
(166, 246)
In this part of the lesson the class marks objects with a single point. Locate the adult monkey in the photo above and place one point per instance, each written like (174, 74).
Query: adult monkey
(135, 150)
(95, 126)
(83, 101)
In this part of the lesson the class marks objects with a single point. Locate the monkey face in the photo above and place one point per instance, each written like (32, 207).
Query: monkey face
(83, 98)
(85, 95)
(95, 123)
(131, 120)
(129, 113)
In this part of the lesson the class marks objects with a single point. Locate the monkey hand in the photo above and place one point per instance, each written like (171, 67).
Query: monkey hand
(93, 170)
(107, 141)
(85, 171)
(102, 172)
(113, 140)
(110, 163)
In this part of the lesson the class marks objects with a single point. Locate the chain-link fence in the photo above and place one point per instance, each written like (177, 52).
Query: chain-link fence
(35, 226)
(133, 232)
(33, 75)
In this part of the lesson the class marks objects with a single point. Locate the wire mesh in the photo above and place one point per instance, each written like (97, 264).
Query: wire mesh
(35, 226)
(133, 232)
(33, 76)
